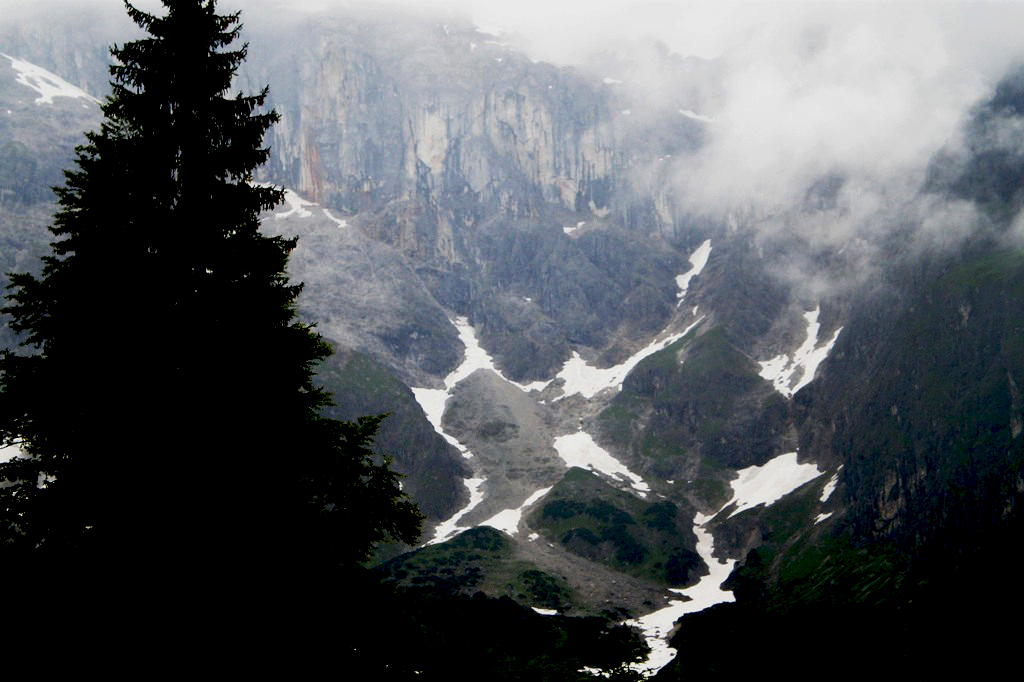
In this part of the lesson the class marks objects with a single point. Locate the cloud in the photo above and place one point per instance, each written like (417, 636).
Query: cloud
(834, 105)
(846, 99)
(825, 120)
(867, 94)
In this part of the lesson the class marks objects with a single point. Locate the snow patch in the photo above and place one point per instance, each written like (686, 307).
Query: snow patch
(569, 229)
(545, 612)
(756, 485)
(789, 375)
(478, 358)
(698, 259)
(579, 377)
(340, 221)
(821, 517)
(446, 529)
(296, 206)
(694, 324)
(657, 626)
(767, 484)
(579, 450)
(830, 486)
(47, 84)
(507, 521)
(475, 356)
(432, 401)
(696, 117)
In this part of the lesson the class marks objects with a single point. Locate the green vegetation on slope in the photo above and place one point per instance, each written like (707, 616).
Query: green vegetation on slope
(478, 560)
(932, 455)
(800, 562)
(697, 403)
(360, 385)
(419, 632)
(649, 540)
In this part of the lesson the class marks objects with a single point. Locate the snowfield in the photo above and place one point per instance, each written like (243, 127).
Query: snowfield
(698, 259)
(47, 84)
(789, 374)
(579, 450)
(507, 521)
(433, 401)
(769, 483)
(830, 486)
(657, 626)
(447, 529)
(755, 485)
(588, 381)
(297, 206)
(341, 222)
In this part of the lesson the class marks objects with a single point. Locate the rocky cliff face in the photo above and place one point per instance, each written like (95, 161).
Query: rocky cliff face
(505, 183)
(442, 121)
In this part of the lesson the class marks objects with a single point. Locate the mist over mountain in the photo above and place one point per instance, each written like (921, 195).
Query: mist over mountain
(733, 311)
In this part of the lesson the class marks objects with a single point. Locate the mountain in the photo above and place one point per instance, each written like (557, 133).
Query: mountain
(606, 401)
(41, 120)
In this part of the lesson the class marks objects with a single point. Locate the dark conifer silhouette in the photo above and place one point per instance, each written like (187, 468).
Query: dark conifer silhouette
(164, 400)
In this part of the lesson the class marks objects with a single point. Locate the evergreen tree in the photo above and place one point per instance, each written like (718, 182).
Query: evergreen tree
(164, 404)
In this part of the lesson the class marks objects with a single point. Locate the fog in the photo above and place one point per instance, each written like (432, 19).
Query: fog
(854, 97)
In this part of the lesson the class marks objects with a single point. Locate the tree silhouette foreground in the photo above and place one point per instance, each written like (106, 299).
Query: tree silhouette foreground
(163, 402)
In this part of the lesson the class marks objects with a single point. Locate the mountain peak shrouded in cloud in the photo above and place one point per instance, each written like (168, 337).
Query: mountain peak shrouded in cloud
(833, 107)
(836, 107)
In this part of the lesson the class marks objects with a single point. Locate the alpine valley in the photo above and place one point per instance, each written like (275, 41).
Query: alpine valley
(619, 396)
